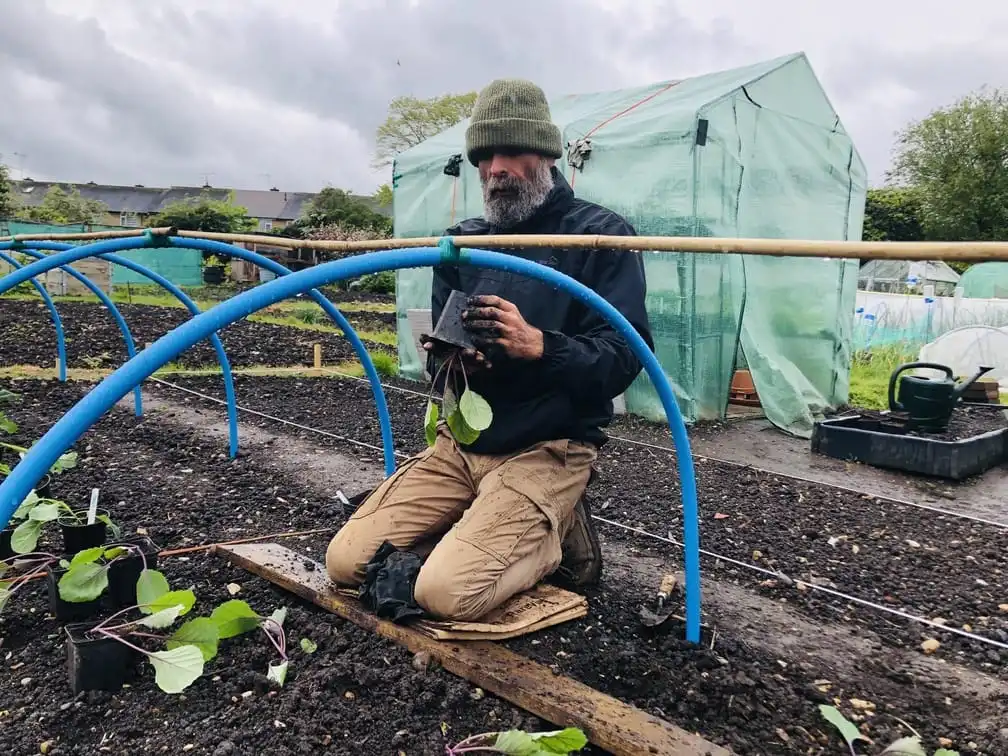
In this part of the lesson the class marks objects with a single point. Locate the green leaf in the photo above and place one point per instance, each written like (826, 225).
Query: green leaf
(4, 595)
(26, 506)
(430, 423)
(177, 669)
(277, 673)
(518, 743)
(84, 582)
(945, 752)
(151, 585)
(308, 646)
(87, 556)
(25, 537)
(233, 618)
(475, 410)
(113, 528)
(561, 741)
(162, 618)
(115, 551)
(908, 746)
(44, 511)
(66, 461)
(449, 402)
(460, 430)
(200, 632)
(848, 730)
(185, 599)
(7, 425)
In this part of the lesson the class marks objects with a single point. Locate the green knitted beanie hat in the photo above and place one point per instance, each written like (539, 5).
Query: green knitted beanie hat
(512, 114)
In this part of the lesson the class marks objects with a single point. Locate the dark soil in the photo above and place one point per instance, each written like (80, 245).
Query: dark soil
(738, 694)
(94, 341)
(967, 421)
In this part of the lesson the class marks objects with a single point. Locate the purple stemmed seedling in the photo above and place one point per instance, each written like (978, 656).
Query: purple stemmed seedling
(521, 743)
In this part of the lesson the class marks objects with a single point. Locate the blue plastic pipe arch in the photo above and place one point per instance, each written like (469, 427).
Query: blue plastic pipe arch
(105, 395)
(103, 298)
(103, 250)
(57, 322)
(229, 392)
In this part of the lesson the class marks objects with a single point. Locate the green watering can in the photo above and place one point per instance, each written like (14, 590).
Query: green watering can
(928, 403)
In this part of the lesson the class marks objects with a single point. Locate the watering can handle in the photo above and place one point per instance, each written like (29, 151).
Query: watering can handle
(896, 406)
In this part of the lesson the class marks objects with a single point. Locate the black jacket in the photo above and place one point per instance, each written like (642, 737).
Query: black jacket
(568, 392)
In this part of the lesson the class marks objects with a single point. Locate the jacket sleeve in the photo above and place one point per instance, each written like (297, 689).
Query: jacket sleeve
(597, 361)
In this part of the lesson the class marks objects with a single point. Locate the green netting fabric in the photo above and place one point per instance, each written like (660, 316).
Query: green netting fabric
(776, 162)
(987, 280)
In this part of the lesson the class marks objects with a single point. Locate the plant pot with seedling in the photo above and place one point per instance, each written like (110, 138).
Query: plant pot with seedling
(35, 513)
(125, 568)
(65, 609)
(465, 412)
(178, 657)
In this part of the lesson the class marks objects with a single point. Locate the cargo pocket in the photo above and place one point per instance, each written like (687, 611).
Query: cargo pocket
(537, 488)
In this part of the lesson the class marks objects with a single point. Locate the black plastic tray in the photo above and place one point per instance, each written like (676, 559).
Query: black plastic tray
(861, 439)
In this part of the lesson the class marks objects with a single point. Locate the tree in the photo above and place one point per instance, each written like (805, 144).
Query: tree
(383, 196)
(59, 206)
(204, 213)
(335, 207)
(893, 214)
(8, 200)
(957, 161)
(412, 120)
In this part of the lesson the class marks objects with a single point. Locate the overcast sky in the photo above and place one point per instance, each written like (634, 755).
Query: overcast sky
(254, 93)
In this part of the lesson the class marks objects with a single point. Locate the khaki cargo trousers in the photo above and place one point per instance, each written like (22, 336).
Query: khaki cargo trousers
(493, 525)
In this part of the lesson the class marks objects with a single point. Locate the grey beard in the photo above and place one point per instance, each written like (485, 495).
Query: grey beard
(524, 198)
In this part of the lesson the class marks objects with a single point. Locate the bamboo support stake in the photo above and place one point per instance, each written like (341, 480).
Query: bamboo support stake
(948, 251)
(88, 235)
(318, 356)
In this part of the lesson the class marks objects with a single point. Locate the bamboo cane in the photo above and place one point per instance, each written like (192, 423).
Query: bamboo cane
(948, 251)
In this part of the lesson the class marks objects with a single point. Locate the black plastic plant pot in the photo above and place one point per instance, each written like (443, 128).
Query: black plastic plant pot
(449, 328)
(886, 444)
(44, 488)
(77, 537)
(95, 662)
(124, 571)
(68, 611)
(6, 552)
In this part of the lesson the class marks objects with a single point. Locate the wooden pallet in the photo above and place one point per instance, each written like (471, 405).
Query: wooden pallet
(609, 723)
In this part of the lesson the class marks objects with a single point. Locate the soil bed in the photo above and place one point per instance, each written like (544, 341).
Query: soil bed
(94, 341)
(967, 422)
(902, 557)
(740, 694)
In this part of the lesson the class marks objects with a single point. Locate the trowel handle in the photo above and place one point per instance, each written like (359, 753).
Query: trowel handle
(668, 585)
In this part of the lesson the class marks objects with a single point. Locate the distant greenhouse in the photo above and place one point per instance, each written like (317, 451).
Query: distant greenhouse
(750, 152)
(902, 276)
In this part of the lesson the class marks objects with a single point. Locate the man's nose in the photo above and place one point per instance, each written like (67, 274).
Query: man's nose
(500, 165)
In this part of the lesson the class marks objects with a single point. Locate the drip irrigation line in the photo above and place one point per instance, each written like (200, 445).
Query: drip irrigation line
(739, 465)
(811, 586)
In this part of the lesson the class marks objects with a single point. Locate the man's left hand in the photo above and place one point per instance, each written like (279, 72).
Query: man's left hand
(496, 322)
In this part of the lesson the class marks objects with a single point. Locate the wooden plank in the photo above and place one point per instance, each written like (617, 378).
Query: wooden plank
(618, 727)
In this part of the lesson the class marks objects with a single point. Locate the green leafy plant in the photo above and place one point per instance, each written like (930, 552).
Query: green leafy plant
(36, 512)
(31, 564)
(7, 426)
(86, 576)
(907, 746)
(521, 743)
(192, 644)
(66, 461)
(467, 415)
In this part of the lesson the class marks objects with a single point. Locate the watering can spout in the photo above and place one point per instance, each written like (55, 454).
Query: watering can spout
(963, 385)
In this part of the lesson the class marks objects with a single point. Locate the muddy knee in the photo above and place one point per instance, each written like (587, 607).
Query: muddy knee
(343, 564)
(452, 596)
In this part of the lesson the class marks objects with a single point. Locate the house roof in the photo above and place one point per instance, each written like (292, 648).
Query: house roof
(272, 204)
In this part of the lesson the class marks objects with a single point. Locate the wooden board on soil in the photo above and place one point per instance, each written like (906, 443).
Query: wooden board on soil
(611, 724)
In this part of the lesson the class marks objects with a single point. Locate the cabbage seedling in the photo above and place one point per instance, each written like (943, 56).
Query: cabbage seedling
(466, 415)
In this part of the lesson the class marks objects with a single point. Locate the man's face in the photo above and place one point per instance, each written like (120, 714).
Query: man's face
(515, 185)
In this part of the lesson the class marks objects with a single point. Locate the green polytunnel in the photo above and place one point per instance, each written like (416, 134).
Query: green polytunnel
(749, 152)
(987, 280)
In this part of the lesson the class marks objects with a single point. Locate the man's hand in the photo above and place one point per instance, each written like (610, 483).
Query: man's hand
(472, 360)
(496, 322)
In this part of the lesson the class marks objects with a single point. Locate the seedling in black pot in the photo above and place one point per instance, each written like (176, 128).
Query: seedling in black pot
(185, 650)
(81, 529)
